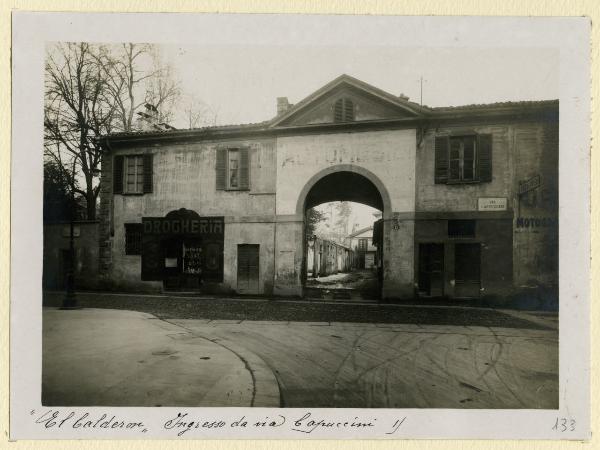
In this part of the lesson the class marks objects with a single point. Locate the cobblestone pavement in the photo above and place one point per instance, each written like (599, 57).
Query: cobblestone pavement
(171, 307)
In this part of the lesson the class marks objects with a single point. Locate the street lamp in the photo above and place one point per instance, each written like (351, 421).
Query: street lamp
(70, 298)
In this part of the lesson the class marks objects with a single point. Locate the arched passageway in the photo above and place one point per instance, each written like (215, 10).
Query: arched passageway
(323, 257)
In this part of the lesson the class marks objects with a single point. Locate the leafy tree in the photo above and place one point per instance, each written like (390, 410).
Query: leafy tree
(313, 218)
(58, 204)
(343, 212)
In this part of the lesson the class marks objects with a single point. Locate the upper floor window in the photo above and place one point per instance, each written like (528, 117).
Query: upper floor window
(343, 110)
(463, 159)
(233, 169)
(363, 244)
(132, 174)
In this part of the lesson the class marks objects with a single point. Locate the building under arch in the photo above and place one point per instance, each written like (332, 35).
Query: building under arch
(469, 196)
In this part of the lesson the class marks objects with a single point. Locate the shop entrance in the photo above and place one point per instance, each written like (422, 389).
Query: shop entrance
(183, 263)
(183, 250)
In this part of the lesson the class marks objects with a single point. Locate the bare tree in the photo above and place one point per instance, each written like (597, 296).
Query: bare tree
(163, 90)
(135, 76)
(197, 113)
(93, 90)
(77, 110)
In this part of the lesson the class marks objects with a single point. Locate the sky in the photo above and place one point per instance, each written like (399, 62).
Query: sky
(243, 83)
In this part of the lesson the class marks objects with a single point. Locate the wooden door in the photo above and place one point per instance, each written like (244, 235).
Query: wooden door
(248, 268)
(431, 269)
(467, 270)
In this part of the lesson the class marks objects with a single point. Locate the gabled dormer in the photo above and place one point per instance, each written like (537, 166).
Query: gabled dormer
(345, 100)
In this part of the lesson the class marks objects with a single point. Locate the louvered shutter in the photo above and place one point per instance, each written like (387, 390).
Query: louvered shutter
(348, 110)
(148, 173)
(485, 157)
(244, 168)
(338, 110)
(441, 159)
(118, 163)
(221, 168)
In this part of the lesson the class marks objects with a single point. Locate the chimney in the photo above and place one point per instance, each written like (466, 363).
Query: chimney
(283, 105)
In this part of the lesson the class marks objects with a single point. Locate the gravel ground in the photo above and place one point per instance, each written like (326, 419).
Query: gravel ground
(166, 307)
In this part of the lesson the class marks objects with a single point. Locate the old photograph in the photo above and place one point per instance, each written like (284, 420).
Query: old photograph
(300, 226)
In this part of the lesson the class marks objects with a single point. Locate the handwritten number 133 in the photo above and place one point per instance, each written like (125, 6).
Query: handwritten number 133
(563, 424)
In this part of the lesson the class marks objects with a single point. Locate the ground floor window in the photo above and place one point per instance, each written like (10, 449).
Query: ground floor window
(133, 238)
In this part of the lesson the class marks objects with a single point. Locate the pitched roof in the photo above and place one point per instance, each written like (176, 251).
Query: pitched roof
(347, 80)
(343, 80)
(357, 232)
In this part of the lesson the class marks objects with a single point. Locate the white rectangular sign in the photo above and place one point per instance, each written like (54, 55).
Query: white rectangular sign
(491, 204)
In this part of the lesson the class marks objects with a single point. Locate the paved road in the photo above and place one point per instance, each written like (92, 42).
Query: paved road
(319, 364)
(103, 357)
(395, 366)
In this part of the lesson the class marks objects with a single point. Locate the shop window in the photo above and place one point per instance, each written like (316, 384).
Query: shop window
(461, 228)
(233, 171)
(343, 110)
(133, 174)
(133, 238)
(463, 159)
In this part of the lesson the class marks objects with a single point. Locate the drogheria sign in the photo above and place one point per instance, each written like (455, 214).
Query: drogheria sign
(202, 226)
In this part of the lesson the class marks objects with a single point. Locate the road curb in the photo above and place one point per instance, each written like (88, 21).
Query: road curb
(266, 386)
(266, 393)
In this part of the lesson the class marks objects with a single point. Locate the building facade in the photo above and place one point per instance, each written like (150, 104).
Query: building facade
(468, 195)
(363, 244)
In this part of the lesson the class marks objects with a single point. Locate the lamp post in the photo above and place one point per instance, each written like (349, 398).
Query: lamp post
(70, 298)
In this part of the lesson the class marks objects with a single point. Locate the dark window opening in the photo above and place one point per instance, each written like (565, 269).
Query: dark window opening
(461, 228)
(133, 238)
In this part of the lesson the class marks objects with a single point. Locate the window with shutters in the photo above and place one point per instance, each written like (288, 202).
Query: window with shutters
(133, 238)
(343, 110)
(133, 174)
(233, 171)
(463, 159)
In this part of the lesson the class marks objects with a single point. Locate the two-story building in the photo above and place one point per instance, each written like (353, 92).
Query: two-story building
(468, 196)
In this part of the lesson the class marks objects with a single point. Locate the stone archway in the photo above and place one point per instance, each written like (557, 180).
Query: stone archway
(385, 200)
(342, 183)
